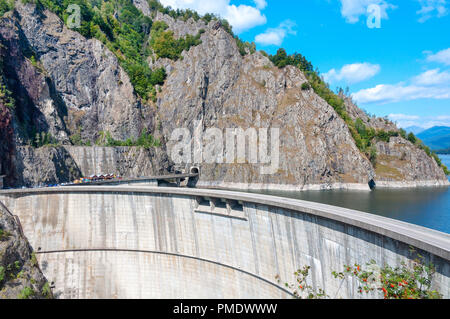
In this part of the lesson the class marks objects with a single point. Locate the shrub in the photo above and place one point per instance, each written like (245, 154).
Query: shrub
(34, 261)
(145, 140)
(4, 235)
(245, 47)
(164, 44)
(5, 6)
(301, 289)
(412, 138)
(2, 274)
(44, 139)
(6, 96)
(46, 290)
(26, 293)
(306, 86)
(403, 133)
(401, 282)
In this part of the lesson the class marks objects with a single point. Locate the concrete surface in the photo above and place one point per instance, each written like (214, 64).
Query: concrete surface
(151, 242)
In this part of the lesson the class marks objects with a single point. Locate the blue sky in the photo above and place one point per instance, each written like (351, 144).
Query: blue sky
(401, 69)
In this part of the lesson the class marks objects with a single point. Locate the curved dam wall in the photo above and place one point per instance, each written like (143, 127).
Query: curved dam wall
(150, 242)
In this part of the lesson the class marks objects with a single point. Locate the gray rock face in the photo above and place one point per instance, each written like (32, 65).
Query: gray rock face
(377, 123)
(400, 161)
(179, 27)
(45, 165)
(36, 105)
(122, 161)
(213, 84)
(96, 92)
(20, 275)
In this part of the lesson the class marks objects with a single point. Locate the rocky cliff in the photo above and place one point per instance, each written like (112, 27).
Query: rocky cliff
(20, 275)
(69, 86)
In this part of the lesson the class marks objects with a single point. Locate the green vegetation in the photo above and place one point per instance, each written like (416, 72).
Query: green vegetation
(34, 261)
(2, 274)
(124, 30)
(5, 6)
(46, 291)
(417, 142)
(164, 44)
(244, 47)
(402, 282)
(26, 293)
(145, 140)
(412, 138)
(302, 289)
(306, 86)
(177, 14)
(362, 135)
(11, 272)
(44, 139)
(4, 235)
(6, 97)
(282, 59)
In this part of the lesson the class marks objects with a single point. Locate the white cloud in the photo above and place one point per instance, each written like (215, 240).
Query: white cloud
(424, 122)
(441, 57)
(431, 8)
(275, 36)
(241, 17)
(431, 84)
(352, 10)
(352, 73)
(244, 17)
(260, 4)
(386, 93)
(432, 77)
(396, 117)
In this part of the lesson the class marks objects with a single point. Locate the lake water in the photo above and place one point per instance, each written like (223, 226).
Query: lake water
(428, 207)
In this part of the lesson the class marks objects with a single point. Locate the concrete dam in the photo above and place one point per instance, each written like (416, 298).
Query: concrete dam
(155, 242)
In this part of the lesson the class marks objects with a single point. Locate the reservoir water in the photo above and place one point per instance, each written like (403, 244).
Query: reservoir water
(428, 206)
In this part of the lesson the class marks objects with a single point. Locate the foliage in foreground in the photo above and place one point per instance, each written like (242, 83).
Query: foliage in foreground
(402, 282)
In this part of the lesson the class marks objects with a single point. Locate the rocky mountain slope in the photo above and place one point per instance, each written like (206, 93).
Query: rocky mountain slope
(72, 91)
(20, 275)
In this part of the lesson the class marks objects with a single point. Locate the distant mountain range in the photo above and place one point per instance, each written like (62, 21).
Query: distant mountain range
(437, 138)
(414, 129)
